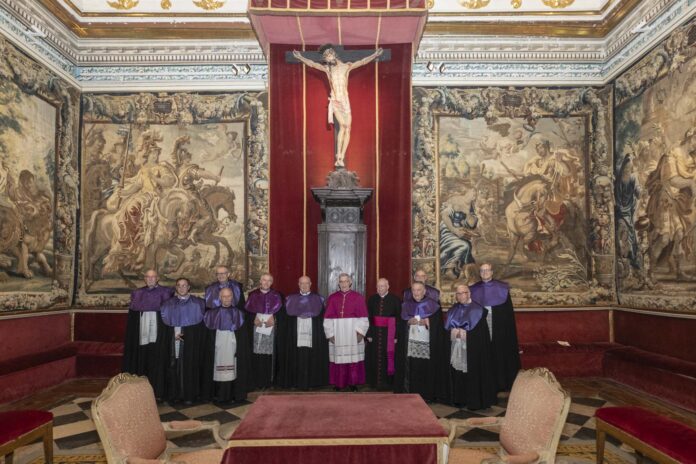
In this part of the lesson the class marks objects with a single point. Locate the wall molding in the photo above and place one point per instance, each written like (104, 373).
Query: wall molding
(141, 65)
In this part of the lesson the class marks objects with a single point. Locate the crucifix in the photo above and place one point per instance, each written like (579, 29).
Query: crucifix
(337, 63)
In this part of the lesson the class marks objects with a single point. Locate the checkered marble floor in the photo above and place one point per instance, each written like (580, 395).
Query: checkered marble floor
(74, 429)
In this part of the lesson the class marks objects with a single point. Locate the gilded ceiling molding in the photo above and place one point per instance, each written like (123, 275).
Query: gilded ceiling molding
(208, 5)
(123, 4)
(474, 4)
(558, 3)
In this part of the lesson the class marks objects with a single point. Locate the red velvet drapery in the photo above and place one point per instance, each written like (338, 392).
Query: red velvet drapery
(302, 156)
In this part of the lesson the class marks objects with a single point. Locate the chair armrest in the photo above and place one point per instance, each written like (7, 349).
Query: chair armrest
(483, 422)
(175, 428)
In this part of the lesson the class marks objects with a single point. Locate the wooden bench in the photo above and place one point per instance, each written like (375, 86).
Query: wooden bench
(21, 428)
(659, 438)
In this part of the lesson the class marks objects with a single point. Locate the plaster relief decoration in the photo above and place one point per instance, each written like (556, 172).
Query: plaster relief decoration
(38, 183)
(519, 178)
(655, 173)
(173, 182)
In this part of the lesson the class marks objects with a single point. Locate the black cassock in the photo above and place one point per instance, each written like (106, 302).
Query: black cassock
(302, 367)
(179, 377)
(376, 358)
(506, 351)
(226, 391)
(476, 388)
(264, 349)
(141, 359)
(427, 377)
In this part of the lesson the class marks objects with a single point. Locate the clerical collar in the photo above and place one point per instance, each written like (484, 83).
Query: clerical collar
(224, 284)
(382, 296)
(305, 294)
(183, 298)
(264, 291)
(150, 288)
(487, 281)
(418, 301)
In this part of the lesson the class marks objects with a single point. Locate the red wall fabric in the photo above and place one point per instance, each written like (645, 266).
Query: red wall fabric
(671, 336)
(27, 335)
(100, 327)
(570, 326)
(381, 104)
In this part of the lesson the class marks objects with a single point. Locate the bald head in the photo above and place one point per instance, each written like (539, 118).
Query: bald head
(151, 277)
(305, 284)
(420, 276)
(226, 297)
(382, 286)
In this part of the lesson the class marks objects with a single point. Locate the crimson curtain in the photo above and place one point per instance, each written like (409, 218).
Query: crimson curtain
(302, 156)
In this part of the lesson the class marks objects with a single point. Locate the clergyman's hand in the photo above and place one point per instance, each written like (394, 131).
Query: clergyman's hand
(270, 322)
(360, 337)
(257, 322)
(332, 339)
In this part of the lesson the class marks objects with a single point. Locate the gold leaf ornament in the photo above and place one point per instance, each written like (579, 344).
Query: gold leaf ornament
(474, 4)
(557, 3)
(166, 4)
(516, 3)
(123, 4)
(209, 5)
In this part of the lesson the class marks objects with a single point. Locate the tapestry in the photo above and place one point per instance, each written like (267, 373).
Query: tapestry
(655, 177)
(38, 184)
(519, 179)
(177, 183)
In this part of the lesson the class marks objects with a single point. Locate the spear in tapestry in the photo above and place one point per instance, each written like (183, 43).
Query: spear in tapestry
(126, 149)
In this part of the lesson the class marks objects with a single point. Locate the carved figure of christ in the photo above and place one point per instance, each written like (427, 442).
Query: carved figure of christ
(337, 65)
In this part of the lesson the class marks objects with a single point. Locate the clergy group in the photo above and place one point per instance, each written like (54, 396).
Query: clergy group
(223, 346)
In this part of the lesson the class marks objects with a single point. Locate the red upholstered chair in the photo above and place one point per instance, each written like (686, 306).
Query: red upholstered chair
(661, 439)
(129, 426)
(20, 428)
(531, 429)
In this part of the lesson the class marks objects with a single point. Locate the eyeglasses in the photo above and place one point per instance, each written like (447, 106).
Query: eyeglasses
(222, 273)
(463, 293)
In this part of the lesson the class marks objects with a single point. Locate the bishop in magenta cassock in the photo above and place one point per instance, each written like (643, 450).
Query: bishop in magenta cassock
(263, 305)
(143, 325)
(345, 325)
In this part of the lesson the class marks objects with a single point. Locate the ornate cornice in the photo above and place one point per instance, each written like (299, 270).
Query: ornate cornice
(442, 59)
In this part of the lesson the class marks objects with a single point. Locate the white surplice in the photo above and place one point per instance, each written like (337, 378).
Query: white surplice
(346, 349)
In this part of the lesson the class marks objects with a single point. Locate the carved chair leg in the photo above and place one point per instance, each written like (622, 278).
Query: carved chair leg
(48, 445)
(9, 457)
(601, 437)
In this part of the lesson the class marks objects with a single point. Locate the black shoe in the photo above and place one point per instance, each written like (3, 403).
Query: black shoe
(336, 389)
(353, 388)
